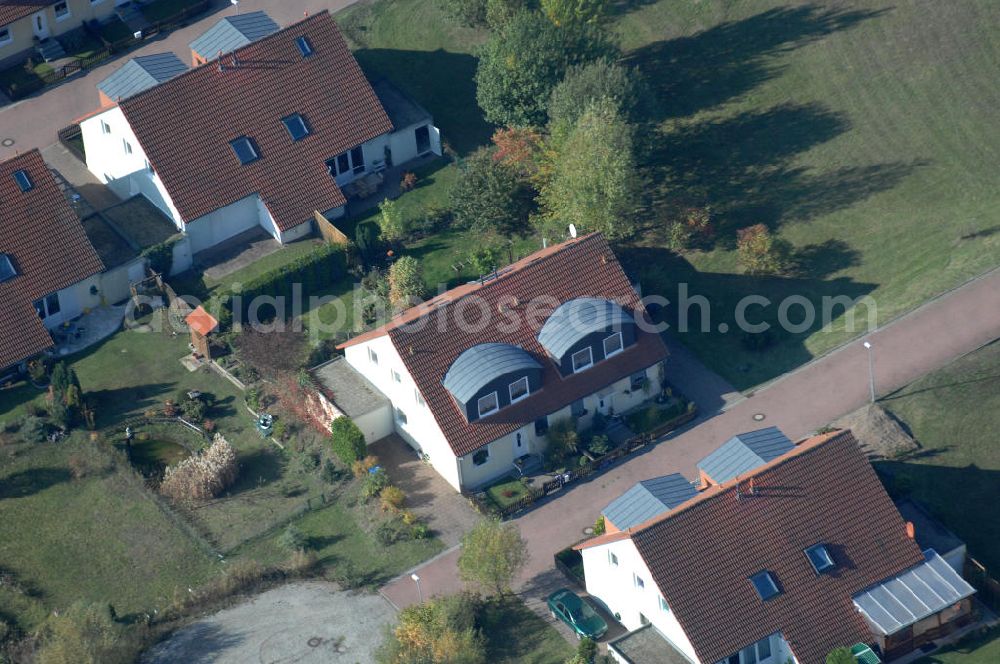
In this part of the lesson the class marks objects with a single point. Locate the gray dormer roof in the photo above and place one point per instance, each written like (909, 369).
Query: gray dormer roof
(575, 319)
(233, 32)
(744, 452)
(477, 366)
(648, 499)
(141, 73)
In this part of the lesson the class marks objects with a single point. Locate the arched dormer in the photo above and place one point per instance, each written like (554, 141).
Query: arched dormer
(585, 331)
(491, 376)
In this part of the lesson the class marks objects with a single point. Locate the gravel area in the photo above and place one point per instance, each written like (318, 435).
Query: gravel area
(304, 623)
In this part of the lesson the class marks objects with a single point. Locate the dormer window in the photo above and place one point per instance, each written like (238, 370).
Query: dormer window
(765, 585)
(613, 344)
(305, 46)
(582, 359)
(7, 270)
(488, 404)
(245, 150)
(518, 389)
(296, 126)
(23, 181)
(820, 558)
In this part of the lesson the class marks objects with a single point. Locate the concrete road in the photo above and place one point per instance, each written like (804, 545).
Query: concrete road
(799, 403)
(34, 122)
(304, 623)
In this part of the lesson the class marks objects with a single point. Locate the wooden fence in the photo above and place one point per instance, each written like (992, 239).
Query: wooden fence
(987, 587)
(29, 87)
(482, 502)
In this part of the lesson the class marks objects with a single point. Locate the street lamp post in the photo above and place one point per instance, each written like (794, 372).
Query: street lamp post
(871, 371)
(416, 580)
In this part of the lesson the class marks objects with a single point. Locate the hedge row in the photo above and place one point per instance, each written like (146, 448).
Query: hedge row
(313, 272)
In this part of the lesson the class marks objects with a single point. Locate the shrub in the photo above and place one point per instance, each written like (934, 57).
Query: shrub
(170, 408)
(391, 531)
(329, 472)
(409, 181)
(759, 252)
(193, 409)
(438, 630)
(366, 239)
(599, 526)
(420, 531)
(408, 517)
(841, 655)
(391, 221)
(391, 499)
(347, 440)
(292, 538)
(600, 444)
(252, 399)
(361, 467)
(406, 282)
(33, 429)
(374, 482)
(203, 475)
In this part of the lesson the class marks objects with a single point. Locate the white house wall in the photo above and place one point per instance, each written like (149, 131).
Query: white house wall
(420, 430)
(125, 174)
(225, 222)
(615, 587)
(377, 424)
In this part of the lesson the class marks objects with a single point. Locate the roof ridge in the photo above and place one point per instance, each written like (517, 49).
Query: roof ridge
(234, 52)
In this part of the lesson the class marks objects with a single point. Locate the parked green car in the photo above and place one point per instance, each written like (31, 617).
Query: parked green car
(568, 607)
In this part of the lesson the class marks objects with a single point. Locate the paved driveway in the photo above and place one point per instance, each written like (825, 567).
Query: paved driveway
(304, 623)
(33, 122)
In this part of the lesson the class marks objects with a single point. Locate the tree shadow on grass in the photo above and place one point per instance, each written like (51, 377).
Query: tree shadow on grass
(744, 358)
(963, 498)
(440, 81)
(114, 404)
(743, 167)
(690, 74)
(30, 482)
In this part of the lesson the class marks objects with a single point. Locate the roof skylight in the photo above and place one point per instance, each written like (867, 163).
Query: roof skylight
(296, 126)
(765, 586)
(245, 150)
(7, 270)
(23, 181)
(305, 46)
(820, 558)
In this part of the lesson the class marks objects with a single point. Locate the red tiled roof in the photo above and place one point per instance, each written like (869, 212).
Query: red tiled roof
(15, 10)
(585, 267)
(825, 491)
(185, 125)
(49, 249)
(201, 321)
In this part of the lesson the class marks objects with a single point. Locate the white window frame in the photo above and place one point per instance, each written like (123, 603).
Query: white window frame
(612, 558)
(590, 359)
(66, 14)
(372, 356)
(149, 168)
(663, 605)
(396, 378)
(621, 345)
(638, 581)
(527, 389)
(9, 38)
(127, 146)
(486, 459)
(496, 404)
(418, 397)
(828, 558)
(105, 127)
(43, 310)
(401, 416)
(770, 649)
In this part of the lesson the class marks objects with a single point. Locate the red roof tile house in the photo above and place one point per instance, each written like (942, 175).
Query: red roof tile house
(477, 374)
(790, 559)
(265, 135)
(49, 271)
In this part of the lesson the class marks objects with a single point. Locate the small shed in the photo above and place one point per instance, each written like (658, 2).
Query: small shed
(201, 324)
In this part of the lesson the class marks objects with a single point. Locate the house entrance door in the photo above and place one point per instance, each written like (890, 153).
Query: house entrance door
(41, 25)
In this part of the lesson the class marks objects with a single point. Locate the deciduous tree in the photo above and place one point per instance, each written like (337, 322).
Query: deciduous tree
(492, 555)
(575, 12)
(759, 252)
(439, 631)
(490, 198)
(587, 83)
(406, 282)
(595, 182)
(524, 60)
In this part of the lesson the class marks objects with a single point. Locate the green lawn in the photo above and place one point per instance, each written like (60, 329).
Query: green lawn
(507, 493)
(954, 414)
(100, 538)
(863, 134)
(341, 535)
(973, 649)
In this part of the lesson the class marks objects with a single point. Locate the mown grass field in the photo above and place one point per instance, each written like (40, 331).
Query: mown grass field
(100, 538)
(860, 132)
(953, 414)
